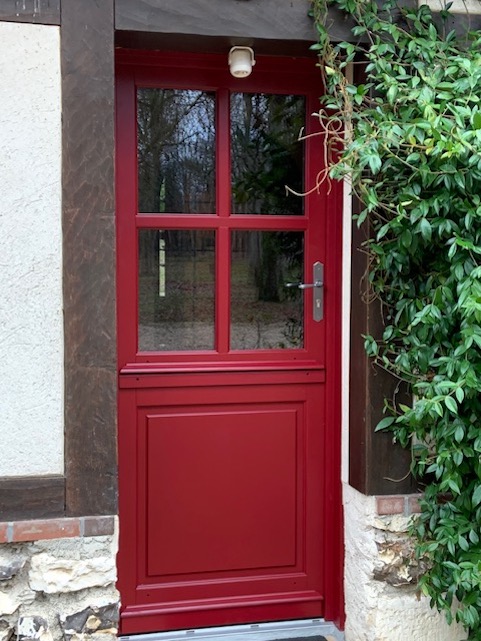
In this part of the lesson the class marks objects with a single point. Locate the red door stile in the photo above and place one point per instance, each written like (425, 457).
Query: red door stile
(334, 539)
(229, 481)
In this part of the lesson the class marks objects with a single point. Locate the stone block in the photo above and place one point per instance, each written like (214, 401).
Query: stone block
(8, 604)
(50, 575)
(33, 628)
(25, 595)
(91, 621)
(8, 571)
(7, 630)
(397, 564)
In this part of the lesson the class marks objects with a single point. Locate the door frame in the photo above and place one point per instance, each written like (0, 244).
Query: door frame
(333, 545)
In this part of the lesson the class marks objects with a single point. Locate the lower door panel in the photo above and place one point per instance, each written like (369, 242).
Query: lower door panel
(224, 488)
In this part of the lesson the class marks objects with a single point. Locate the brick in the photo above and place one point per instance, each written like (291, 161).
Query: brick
(98, 525)
(3, 532)
(413, 505)
(45, 529)
(390, 505)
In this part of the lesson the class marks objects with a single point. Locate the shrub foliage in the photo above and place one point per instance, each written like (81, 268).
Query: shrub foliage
(411, 143)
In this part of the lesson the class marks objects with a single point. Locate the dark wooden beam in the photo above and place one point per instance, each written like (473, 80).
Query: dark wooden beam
(376, 465)
(280, 27)
(208, 44)
(33, 11)
(32, 497)
(254, 22)
(87, 55)
(271, 19)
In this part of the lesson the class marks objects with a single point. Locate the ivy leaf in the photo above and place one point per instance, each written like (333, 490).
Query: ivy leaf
(374, 163)
(451, 404)
(406, 238)
(459, 394)
(463, 544)
(385, 422)
(454, 486)
(459, 434)
(425, 228)
(438, 408)
(473, 536)
(477, 496)
(477, 120)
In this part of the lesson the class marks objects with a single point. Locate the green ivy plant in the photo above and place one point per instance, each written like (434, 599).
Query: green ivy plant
(411, 147)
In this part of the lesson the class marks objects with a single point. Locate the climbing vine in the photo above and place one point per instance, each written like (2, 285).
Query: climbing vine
(411, 147)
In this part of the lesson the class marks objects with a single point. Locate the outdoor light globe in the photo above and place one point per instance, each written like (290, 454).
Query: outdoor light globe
(241, 61)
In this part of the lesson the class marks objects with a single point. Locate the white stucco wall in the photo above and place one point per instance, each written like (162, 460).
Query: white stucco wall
(31, 331)
(346, 322)
(457, 6)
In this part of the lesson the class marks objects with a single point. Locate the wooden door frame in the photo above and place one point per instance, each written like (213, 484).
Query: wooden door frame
(333, 543)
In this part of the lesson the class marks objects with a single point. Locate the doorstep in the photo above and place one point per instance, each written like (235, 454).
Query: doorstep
(303, 630)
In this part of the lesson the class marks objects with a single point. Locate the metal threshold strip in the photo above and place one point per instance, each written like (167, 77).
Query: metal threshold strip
(304, 630)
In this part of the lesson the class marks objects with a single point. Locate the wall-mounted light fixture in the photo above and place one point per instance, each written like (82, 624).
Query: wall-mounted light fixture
(241, 61)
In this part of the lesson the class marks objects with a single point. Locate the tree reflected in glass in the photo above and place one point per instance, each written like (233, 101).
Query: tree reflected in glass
(265, 314)
(266, 153)
(176, 151)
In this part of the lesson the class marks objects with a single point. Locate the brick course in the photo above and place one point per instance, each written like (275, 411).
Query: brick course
(406, 504)
(43, 529)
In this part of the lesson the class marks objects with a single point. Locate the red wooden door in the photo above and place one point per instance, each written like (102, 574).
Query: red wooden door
(229, 430)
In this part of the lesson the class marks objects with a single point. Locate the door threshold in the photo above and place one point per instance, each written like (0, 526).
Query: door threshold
(305, 630)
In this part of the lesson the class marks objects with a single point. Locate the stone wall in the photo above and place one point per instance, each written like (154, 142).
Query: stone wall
(381, 570)
(59, 588)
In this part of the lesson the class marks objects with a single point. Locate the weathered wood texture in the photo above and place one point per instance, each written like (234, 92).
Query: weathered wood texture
(271, 19)
(31, 497)
(376, 465)
(89, 257)
(273, 26)
(34, 11)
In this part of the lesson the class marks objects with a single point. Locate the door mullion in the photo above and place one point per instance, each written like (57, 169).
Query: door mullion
(223, 289)
(223, 183)
(223, 172)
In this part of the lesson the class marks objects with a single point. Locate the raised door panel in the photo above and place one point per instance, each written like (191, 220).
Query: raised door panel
(221, 489)
(229, 505)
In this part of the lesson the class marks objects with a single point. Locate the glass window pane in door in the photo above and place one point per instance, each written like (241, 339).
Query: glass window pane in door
(266, 153)
(265, 314)
(176, 290)
(176, 151)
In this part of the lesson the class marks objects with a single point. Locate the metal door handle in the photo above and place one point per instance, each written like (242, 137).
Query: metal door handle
(318, 286)
(318, 283)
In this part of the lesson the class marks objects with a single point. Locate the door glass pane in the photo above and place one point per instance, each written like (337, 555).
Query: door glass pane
(265, 314)
(176, 289)
(266, 154)
(176, 151)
